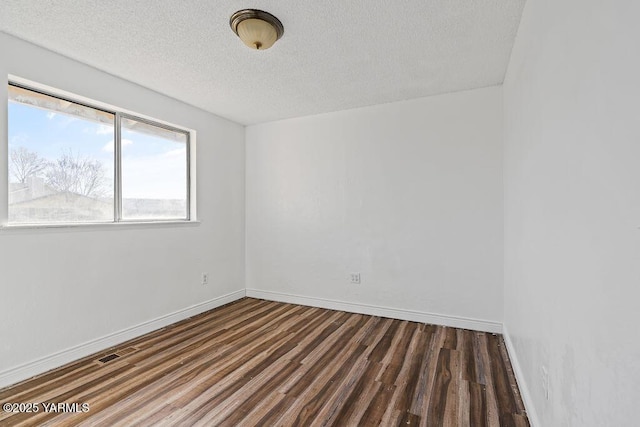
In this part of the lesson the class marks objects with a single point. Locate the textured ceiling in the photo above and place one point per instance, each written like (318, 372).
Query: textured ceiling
(334, 55)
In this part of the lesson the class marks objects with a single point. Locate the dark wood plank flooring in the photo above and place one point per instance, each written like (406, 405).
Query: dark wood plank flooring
(262, 363)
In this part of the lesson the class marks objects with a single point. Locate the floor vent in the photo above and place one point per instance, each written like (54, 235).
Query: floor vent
(108, 358)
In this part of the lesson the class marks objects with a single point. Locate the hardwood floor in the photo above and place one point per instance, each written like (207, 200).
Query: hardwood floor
(255, 362)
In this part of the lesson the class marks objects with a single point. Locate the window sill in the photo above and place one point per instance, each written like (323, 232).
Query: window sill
(98, 226)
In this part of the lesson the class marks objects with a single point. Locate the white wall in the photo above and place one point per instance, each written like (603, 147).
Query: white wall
(61, 288)
(572, 209)
(408, 194)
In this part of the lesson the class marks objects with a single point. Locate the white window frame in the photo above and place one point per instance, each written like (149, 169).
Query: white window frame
(118, 113)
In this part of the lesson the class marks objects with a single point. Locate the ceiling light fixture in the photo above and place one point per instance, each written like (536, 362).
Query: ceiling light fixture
(257, 29)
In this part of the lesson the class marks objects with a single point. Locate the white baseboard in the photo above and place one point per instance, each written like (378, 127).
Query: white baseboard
(522, 384)
(36, 367)
(374, 310)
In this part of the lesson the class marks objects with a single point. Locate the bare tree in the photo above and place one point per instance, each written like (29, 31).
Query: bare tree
(24, 164)
(76, 174)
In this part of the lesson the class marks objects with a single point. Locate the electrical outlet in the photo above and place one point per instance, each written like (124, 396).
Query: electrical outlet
(544, 376)
(355, 277)
(205, 279)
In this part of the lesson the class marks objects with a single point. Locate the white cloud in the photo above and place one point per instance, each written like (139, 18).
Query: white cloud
(108, 147)
(61, 120)
(154, 177)
(104, 130)
(176, 153)
(19, 139)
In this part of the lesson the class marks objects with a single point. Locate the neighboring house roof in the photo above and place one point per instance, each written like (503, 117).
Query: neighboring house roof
(64, 197)
(32, 188)
(34, 200)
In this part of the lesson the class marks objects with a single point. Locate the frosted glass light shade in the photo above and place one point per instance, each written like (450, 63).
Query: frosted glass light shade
(257, 34)
(257, 29)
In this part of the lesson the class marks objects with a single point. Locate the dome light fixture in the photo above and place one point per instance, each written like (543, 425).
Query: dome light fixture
(256, 28)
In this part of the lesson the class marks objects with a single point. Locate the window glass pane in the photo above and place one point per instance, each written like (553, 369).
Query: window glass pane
(154, 172)
(61, 160)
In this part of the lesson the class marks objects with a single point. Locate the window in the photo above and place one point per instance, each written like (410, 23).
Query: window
(73, 163)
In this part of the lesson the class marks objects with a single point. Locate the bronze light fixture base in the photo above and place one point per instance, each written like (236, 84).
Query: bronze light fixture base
(256, 28)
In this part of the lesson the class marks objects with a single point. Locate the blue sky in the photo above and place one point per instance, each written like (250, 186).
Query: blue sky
(152, 167)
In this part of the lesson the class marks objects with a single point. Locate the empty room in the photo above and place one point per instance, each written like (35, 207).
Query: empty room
(353, 213)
